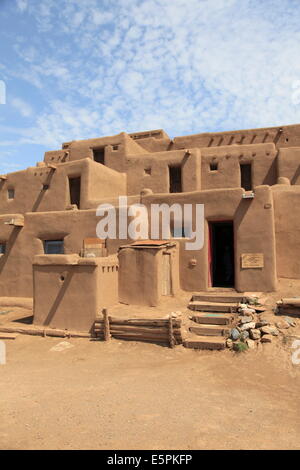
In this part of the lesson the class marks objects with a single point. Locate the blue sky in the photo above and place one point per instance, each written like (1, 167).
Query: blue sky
(85, 68)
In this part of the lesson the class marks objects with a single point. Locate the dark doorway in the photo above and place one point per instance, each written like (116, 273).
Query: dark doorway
(74, 184)
(175, 179)
(246, 177)
(221, 254)
(99, 155)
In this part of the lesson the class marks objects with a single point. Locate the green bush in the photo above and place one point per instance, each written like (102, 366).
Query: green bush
(240, 347)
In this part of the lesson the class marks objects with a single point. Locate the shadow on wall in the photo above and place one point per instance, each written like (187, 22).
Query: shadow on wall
(43, 190)
(271, 176)
(59, 298)
(296, 175)
(10, 243)
(241, 211)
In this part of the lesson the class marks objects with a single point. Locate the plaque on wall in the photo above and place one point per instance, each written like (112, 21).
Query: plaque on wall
(252, 260)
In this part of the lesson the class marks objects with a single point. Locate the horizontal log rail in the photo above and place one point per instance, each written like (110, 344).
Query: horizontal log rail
(158, 330)
(44, 332)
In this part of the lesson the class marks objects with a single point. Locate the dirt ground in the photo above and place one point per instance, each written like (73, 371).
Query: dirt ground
(130, 395)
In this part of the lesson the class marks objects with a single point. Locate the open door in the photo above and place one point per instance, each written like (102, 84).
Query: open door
(221, 254)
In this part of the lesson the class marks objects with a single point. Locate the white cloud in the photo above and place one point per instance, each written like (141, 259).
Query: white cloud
(22, 106)
(185, 66)
(22, 5)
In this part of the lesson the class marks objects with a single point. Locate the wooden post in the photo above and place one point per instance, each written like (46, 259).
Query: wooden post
(106, 325)
(171, 333)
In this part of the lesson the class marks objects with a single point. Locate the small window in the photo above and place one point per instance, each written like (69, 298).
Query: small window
(75, 189)
(115, 147)
(99, 154)
(54, 247)
(10, 193)
(246, 176)
(2, 248)
(175, 179)
(147, 171)
(213, 166)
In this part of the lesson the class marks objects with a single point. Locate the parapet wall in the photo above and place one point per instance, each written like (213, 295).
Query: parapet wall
(284, 136)
(70, 292)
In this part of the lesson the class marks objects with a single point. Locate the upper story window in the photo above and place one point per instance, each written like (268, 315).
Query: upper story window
(75, 189)
(175, 179)
(10, 193)
(246, 176)
(54, 247)
(99, 154)
(213, 166)
(2, 248)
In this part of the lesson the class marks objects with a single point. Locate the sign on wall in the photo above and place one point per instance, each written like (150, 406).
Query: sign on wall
(252, 260)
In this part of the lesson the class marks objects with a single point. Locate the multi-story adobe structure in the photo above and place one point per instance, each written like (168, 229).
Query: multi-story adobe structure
(248, 181)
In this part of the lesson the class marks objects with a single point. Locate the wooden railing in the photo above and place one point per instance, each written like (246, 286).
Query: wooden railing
(157, 330)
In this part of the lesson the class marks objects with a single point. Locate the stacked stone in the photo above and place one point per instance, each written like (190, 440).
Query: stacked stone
(251, 329)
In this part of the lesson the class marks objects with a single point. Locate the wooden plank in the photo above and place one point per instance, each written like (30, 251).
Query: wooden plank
(141, 329)
(291, 312)
(44, 332)
(208, 330)
(205, 343)
(171, 333)
(211, 320)
(143, 321)
(213, 307)
(217, 298)
(106, 325)
(7, 336)
(291, 301)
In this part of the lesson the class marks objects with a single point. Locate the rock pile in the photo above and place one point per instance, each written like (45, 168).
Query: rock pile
(251, 328)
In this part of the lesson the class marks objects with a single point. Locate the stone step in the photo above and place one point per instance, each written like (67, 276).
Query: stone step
(219, 298)
(209, 330)
(212, 318)
(228, 307)
(203, 342)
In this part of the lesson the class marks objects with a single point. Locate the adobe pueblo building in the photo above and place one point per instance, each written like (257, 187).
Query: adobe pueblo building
(248, 181)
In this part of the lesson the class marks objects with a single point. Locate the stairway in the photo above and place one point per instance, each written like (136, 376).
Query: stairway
(211, 321)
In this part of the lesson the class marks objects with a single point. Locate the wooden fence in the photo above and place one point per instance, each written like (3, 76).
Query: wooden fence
(159, 330)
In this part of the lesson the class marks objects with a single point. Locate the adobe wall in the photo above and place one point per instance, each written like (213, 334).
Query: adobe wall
(140, 275)
(262, 157)
(69, 291)
(117, 148)
(284, 136)
(287, 227)
(289, 164)
(126, 159)
(253, 233)
(153, 145)
(23, 243)
(15, 272)
(158, 181)
(97, 182)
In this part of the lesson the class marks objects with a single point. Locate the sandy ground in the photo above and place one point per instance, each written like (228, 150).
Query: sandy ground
(127, 395)
(130, 395)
